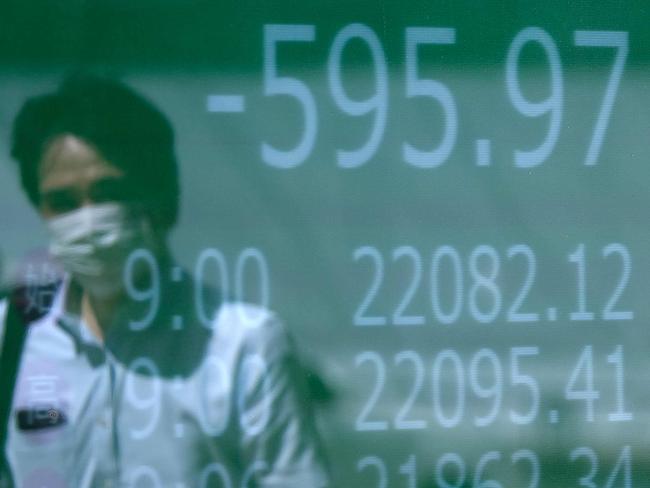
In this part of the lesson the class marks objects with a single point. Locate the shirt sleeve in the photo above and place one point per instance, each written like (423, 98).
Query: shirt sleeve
(278, 437)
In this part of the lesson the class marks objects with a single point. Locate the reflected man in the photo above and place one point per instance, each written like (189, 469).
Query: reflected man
(122, 382)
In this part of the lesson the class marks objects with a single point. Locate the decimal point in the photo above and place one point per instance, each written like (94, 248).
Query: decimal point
(551, 314)
(553, 416)
(483, 152)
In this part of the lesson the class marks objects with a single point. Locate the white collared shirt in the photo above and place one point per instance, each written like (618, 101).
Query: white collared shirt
(176, 404)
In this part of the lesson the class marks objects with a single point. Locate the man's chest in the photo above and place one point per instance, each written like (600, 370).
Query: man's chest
(116, 424)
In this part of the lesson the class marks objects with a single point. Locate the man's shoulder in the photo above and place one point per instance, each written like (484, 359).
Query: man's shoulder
(249, 326)
(243, 316)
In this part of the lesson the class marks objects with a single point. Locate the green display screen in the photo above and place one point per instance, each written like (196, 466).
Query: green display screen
(444, 202)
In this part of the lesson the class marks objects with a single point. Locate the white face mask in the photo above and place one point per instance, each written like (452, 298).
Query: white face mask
(93, 243)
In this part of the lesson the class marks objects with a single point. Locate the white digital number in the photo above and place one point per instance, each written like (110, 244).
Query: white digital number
(398, 316)
(214, 404)
(578, 257)
(488, 457)
(135, 384)
(151, 293)
(147, 474)
(362, 423)
(624, 463)
(526, 381)
(207, 255)
(450, 356)
(514, 315)
(533, 460)
(409, 469)
(418, 87)
(483, 296)
(292, 87)
(626, 268)
(620, 415)
(255, 256)
(214, 471)
(485, 282)
(492, 391)
(401, 422)
(618, 41)
(588, 394)
(453, 459)
(250, 258)
(377, 103)
(587, 481)
(444, 316)
(360, 317)
(447, 459)
(552, 104)
(380, 467)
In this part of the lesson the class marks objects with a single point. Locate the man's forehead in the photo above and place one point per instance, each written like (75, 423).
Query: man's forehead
(68, 160)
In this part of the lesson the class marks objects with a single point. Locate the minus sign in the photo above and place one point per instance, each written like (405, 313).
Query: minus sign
(225, 103)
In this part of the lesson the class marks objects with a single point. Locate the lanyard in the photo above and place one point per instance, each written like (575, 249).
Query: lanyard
(19, 316)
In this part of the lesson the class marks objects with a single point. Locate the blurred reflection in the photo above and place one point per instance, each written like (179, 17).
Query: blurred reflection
(139, 373)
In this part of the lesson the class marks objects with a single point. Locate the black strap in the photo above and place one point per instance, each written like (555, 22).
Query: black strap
(20, 313)
(12, 346)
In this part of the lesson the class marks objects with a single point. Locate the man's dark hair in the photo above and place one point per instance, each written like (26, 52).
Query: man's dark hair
(125, 128)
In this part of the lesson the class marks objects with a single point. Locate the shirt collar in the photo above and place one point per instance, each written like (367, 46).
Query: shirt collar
(66, 314)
